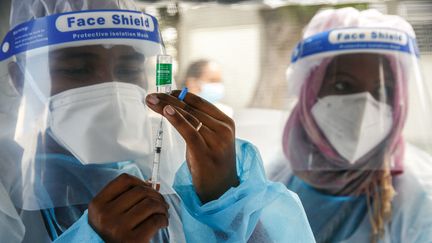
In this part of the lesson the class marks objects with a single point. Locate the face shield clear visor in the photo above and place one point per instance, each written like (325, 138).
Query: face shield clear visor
(81, 118)
(360, 103)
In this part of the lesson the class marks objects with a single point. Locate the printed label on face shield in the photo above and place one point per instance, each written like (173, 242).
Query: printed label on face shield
(79, 26)
(92, 20)
(163, 73)
(367, 35)
(348, 39)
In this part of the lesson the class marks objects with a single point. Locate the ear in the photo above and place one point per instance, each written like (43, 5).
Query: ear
(17, 76)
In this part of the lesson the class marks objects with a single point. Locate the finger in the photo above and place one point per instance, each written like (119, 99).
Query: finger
(157, 102)
(188, 116)
(147, 229)
(208, 134)
(158, 106)
(118, 186)
(157, 185)
(210, 137)
(202, 104)
(193, 139)
(133, 196)
(144, 209)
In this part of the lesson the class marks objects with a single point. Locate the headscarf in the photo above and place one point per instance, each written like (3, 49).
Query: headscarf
(314, 160)
(312, 157)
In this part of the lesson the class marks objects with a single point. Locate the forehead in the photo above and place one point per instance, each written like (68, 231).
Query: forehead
(211, 70)
(97, 52)
(359, 62)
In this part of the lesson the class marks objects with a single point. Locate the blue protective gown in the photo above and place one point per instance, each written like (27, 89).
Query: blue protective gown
(332, 218)
(345, 219)
(255, 211)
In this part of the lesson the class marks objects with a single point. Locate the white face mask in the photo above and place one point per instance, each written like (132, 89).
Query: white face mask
(212, 92)
(354, 124)
(102, 123)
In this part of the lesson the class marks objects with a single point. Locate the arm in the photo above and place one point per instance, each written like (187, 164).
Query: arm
(80, 231)
(256, 211)
(222, 185)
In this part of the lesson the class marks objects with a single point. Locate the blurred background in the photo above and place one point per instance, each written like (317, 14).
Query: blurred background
(252, 43)
(252, 40)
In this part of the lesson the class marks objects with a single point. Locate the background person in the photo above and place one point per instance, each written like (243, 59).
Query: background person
(204, 78)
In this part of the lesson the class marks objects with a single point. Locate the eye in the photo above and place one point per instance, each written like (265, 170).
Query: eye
(131, 74)
(72, 71)
(342, 86)
(72, 68)
(129, 71)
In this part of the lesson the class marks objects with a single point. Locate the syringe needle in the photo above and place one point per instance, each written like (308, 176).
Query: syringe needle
(163, 84)
(156, 161)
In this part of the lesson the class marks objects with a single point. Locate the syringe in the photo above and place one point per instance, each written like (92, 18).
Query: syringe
(163, 85)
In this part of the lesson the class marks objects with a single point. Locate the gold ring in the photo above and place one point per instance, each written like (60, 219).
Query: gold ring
(199, 126)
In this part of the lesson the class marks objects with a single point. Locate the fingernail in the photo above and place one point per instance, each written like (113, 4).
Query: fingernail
(169, 110)
(153, 99)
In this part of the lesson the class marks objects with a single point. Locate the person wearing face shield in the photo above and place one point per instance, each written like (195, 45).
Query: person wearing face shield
(85, 126)
(356, 78)
(204, 78)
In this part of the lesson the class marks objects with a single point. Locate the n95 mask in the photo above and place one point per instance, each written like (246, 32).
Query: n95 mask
(101, 123)
(354, 124)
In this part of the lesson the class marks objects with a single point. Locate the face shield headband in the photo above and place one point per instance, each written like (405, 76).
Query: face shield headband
(354, 40)
(76, 28)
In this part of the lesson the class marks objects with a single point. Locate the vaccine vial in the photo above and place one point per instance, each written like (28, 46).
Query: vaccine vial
(164, 73)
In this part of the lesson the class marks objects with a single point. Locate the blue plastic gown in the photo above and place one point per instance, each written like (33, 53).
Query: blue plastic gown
(256, 211)
(332, 218)
(344, 219)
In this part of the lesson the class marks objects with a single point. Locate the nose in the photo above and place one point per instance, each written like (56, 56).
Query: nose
(105, 74)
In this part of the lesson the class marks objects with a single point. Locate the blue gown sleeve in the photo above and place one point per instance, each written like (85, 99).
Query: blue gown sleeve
(80, 231)
(255, 211)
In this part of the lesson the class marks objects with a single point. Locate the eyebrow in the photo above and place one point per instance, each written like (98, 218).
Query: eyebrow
(74, 55)
(345, 74)
(89, 55)
(132, 57)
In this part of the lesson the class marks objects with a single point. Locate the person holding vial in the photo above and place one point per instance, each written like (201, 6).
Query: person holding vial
(86, 125)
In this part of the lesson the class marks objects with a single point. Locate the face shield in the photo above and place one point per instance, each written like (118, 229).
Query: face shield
(356, 89)
(82, 78)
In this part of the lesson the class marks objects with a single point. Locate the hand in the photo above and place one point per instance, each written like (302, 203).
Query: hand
(210, 152)
(128, 210)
